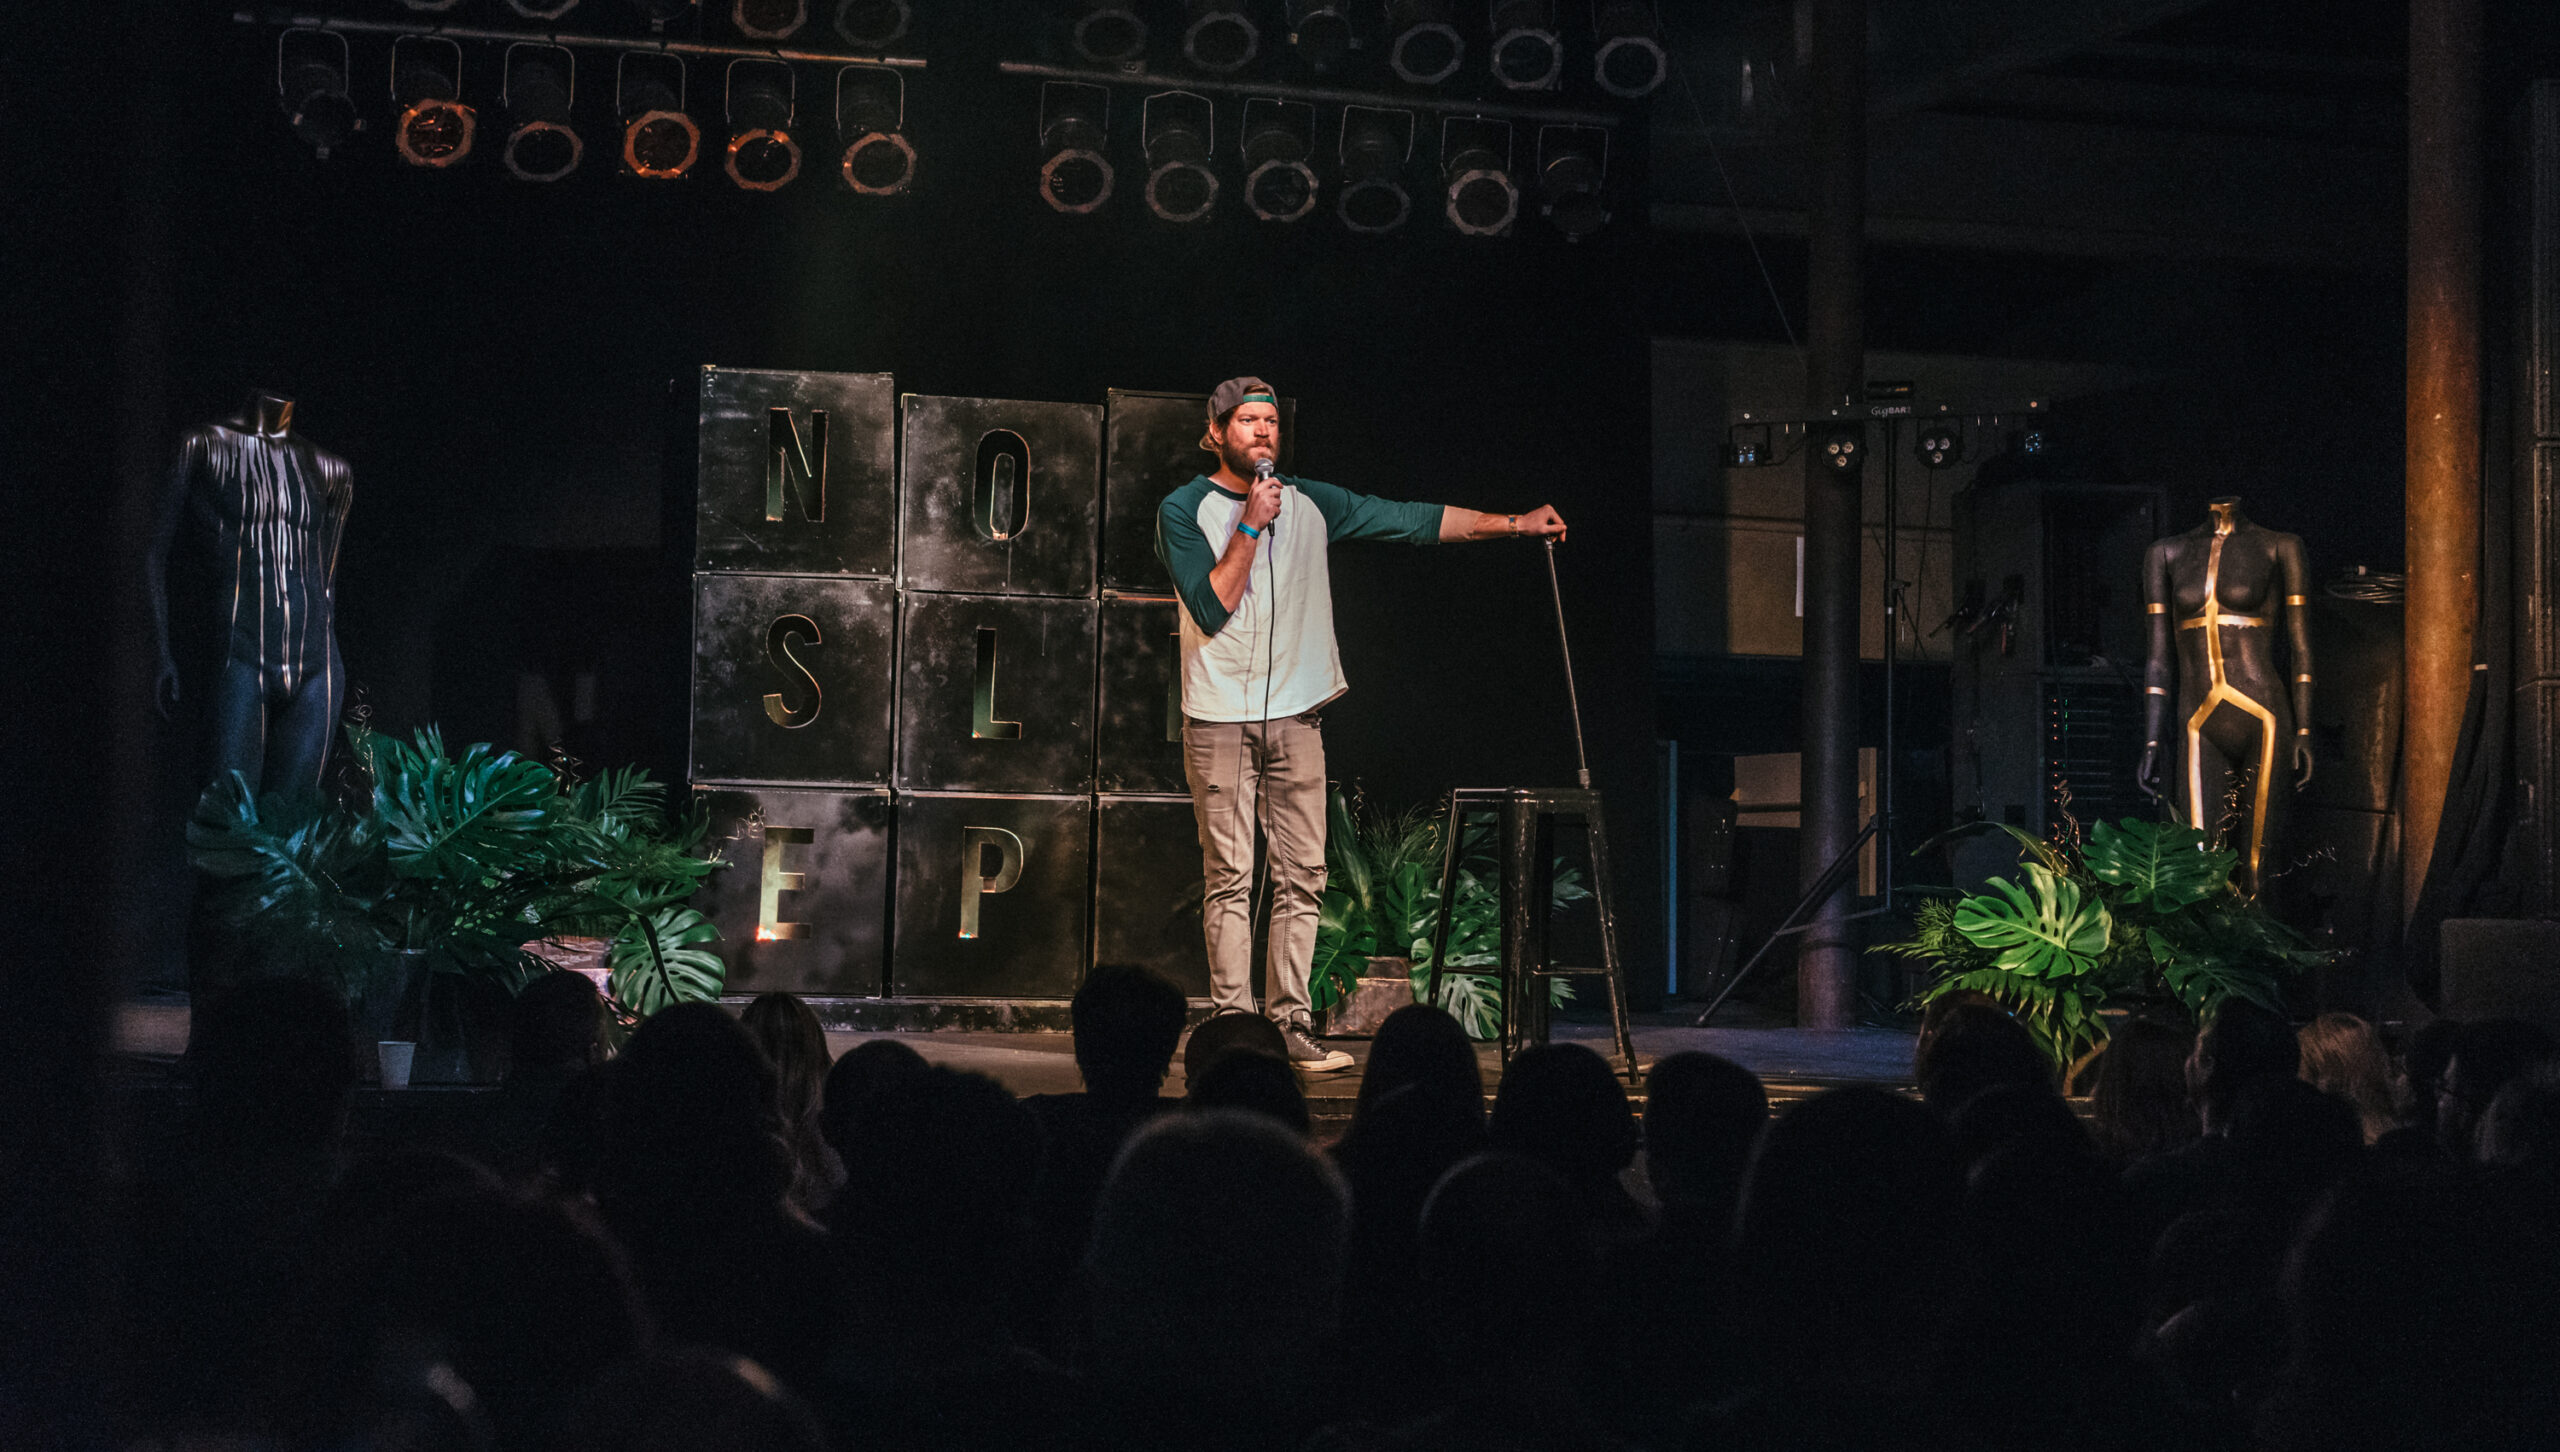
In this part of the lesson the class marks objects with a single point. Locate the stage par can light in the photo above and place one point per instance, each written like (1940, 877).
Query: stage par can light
(874, 24)
(1423, 47)
(1279, 136)
(871, 114)
(1218, 36)
(1075, 126)
(769, 19)
(1573, 172)
(538, 89)
(1630, 62)
(1107, 33)
(1841, 447)
(1527, 53)
(542, 9)
(1478, 193)
(311, 87)
(435, 128)
(1320, 32)
(1941, 444)
(1178, 131)
(762, 104)
(1377, 147)
(659, 141)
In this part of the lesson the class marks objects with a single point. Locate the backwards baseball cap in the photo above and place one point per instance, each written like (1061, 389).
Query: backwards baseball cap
(1233, 394)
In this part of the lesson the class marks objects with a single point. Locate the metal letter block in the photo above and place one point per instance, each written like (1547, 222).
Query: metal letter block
(1146, 889)
(803, 904)
(1138, 731)
(991, 895)
(796, 473)
(999, 497)
(791, 679)
(995, 693)
(1151, 447)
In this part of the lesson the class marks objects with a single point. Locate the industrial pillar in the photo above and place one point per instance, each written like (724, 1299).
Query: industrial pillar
(2443, 523)
(1835, 364)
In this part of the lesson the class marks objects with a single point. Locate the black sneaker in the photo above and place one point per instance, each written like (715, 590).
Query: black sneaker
(1309, 1054)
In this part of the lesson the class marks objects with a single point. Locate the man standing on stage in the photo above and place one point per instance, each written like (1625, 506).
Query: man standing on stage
(1246, 550)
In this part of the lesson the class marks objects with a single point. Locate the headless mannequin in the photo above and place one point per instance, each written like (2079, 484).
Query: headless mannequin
(2217, 595)
(241, 575)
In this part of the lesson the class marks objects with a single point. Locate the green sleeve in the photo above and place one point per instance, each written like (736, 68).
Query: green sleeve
(1361, 516)
(1188, 557)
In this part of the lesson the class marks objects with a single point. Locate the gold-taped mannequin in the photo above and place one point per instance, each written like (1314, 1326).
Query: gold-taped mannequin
(2218, 691)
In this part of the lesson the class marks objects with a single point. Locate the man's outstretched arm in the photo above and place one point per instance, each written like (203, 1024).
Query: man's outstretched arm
(1465, 524)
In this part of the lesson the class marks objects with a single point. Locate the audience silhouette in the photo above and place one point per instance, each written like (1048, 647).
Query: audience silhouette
(2253, 1238)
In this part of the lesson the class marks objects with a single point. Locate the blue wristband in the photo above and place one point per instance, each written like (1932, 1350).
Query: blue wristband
(1249, 529)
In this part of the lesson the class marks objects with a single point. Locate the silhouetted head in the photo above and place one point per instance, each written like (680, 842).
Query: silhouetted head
(2024, 1116)
(1702, 1114)
(1197, 1215)
(1419, 1044)
(2289, 1142)
(864, 1069)
(2238, 1042)
(1127, 1021)
(1972, 1047)
(789, 1033)
(1254, 1081)
(2140, 1106)
(938, 1184)
(1560, 1104)
(1229, 1028)
(522, 1298)
(2342, 1055)
(1841, 1242)
(274, 1065)
(557, 1022)
(2522, 1128)
(1508, 1265)
(692, 1400)
(693, 1112)
(2486, 1056)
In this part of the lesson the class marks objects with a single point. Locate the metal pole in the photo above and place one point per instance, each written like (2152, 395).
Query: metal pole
(1572, 699)
(1826, 963)
(2443, 517)
(1892, 653)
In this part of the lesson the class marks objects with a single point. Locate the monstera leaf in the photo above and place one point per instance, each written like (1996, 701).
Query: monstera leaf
(2047, 929)
(659, 958)
(2162, 865)
(2202, 978)
(482, 815)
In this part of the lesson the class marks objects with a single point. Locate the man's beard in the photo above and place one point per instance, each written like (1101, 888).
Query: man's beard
(1238, 458)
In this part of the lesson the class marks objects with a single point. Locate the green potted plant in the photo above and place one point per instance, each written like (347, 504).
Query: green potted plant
(1380, 906)
(2135, 915)
(425, 893)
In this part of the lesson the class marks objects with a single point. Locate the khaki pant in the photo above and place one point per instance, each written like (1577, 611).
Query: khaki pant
(1246, 776)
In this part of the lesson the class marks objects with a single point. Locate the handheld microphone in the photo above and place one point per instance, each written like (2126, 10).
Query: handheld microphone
(1263, 472)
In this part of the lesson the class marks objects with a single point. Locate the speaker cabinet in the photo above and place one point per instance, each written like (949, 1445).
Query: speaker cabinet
(1147, 888)
(991, 895)
(795, 473)
(791, 679)
(1138, 729)
(1000, 497)
(803, 904)
(995, 694)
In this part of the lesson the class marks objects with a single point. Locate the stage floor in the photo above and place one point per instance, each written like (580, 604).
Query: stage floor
(1792, 1062)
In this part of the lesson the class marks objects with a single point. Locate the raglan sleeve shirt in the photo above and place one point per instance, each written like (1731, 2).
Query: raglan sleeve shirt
(1189, 554)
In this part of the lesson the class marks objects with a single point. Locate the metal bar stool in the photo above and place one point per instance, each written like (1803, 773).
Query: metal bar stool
(1526, 853)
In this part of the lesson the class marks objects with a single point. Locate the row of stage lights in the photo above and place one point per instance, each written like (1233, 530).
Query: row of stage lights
(1476, 169)
(1422, 39)
(1476, 172)
(434, 127)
